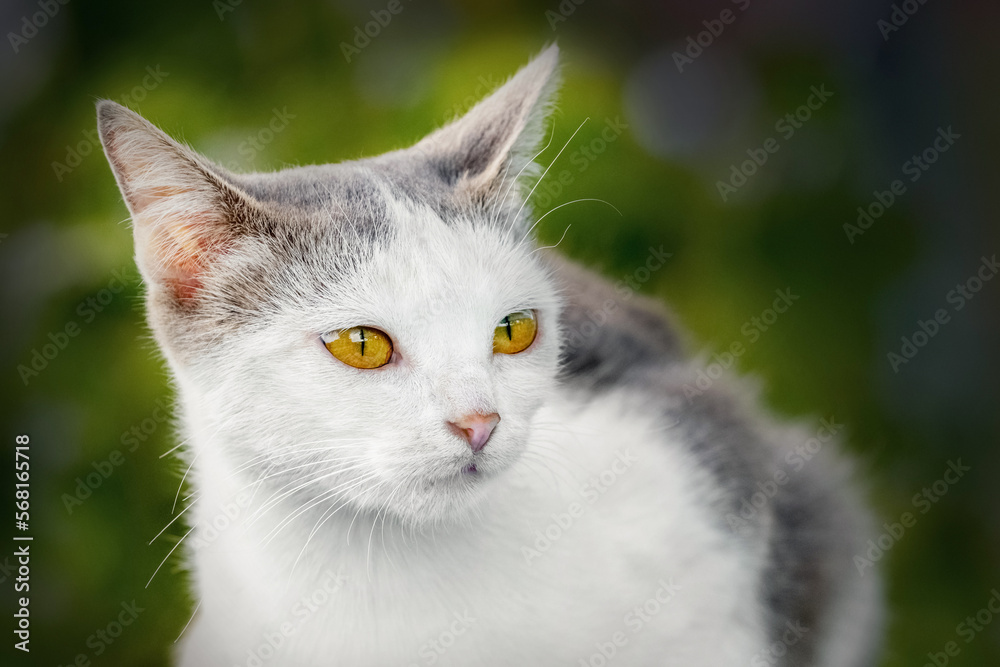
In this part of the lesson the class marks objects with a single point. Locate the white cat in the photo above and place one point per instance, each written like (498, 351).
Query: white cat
(412, 443)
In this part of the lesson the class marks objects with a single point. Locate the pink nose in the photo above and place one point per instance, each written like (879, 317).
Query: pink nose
(475, 428)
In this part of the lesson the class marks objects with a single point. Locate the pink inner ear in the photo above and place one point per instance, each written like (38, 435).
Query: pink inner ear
(181, 251)
(176, 201)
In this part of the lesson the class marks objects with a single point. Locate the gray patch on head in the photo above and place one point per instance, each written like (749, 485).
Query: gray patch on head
(298, 231)
(410, 176)
(335, 194)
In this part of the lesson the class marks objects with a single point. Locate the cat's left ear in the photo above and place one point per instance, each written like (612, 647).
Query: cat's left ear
(488, 146)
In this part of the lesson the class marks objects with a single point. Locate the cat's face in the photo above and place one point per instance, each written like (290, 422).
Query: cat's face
(427, 249)
(437, 290)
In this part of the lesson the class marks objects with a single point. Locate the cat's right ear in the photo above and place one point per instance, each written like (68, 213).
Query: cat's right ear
(184, 210)
(487, 148)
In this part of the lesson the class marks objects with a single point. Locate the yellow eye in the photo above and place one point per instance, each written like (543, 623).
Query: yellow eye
(515, 332)
(361, 347)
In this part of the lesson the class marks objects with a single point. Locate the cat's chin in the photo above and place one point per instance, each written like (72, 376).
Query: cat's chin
(447, 498)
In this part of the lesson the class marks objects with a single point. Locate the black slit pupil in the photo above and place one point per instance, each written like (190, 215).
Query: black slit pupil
(506, 321)
(362, 341)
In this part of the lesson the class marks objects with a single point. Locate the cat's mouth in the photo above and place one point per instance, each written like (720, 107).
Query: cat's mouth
(466, 477)
(470, 473)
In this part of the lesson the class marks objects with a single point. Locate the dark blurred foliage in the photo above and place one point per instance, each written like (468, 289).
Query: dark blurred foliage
(224, 70)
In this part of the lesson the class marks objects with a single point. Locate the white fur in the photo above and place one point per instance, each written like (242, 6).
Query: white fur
(402, 588)
(315, 480)
(414, 559)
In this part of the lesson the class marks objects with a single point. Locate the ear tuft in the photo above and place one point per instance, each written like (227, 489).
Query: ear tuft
(184, 210)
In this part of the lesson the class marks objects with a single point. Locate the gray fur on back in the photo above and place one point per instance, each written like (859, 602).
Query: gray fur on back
(809, 530)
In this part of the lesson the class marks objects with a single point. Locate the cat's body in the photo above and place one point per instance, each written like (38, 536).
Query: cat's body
(339, 519)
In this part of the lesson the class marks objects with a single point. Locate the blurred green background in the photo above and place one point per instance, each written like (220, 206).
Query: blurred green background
(262, 87)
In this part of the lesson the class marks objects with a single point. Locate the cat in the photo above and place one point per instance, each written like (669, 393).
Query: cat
(412, 440)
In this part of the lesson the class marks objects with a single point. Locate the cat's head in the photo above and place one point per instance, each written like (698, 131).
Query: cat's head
(267, 292)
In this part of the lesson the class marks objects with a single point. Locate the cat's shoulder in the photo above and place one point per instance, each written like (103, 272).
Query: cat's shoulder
(610, 330)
